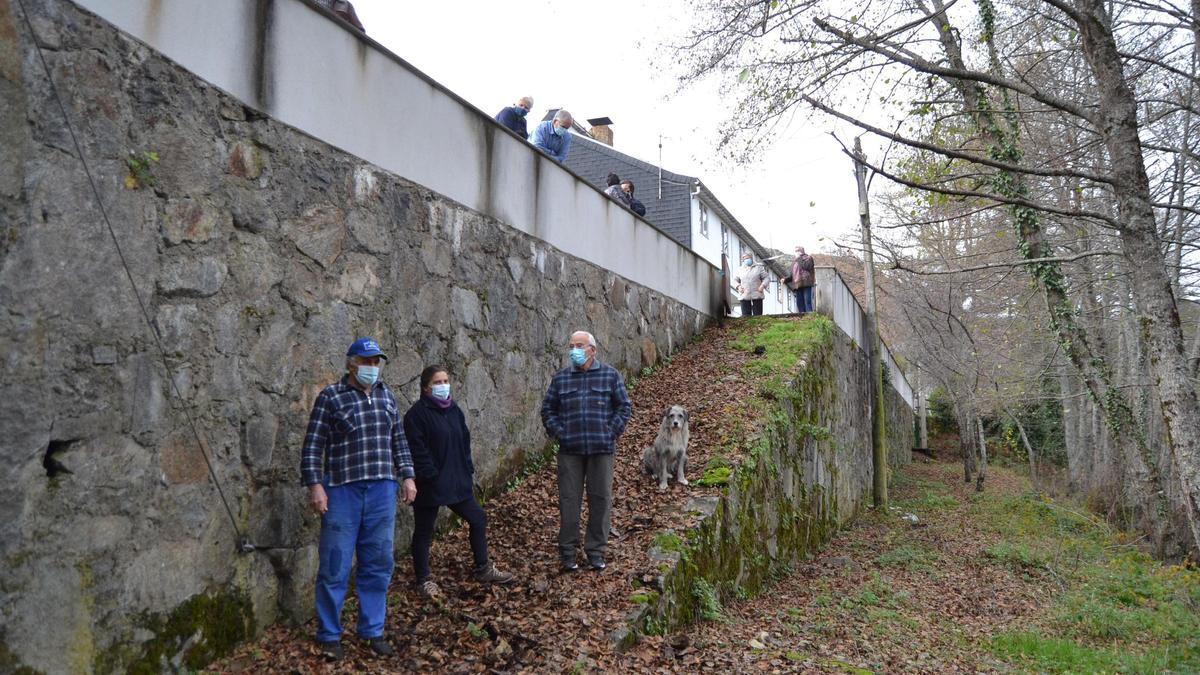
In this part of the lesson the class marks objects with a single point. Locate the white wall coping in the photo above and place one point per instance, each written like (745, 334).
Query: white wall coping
(833, 296)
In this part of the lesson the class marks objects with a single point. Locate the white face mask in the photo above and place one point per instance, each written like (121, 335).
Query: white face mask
(367, 375)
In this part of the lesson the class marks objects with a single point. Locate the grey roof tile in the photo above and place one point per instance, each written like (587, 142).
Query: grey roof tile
(672, 213)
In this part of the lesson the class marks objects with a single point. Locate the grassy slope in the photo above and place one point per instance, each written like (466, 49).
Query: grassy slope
(1000, 581)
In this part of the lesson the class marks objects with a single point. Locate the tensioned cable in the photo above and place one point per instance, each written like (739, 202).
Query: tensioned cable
(243, 544)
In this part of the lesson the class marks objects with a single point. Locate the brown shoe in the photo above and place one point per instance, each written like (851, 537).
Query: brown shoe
(488, 574)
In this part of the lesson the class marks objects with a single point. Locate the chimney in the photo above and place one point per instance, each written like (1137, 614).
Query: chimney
(601, 130)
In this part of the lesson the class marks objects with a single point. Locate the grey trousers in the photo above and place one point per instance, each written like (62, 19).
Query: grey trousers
(597, 472)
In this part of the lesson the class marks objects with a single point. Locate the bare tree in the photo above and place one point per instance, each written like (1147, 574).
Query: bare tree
(1099, 85)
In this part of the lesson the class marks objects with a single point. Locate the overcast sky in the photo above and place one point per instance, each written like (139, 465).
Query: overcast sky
(608, 59)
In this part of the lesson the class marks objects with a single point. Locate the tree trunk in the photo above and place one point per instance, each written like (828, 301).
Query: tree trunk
(1194, 359)
(1070, 423)
(1033, 467)
(1158, 315)
(982, 473)
(966, 438)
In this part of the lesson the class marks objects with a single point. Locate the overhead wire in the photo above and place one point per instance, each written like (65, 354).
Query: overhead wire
(243, 544)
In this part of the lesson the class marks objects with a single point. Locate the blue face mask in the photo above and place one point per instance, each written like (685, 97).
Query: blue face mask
(367, 375)
(521, 112)
(578, 356)
(561, 131)
(748, 262)
(440, 391)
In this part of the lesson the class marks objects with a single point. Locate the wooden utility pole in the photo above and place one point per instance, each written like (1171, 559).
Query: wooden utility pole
(878, 429)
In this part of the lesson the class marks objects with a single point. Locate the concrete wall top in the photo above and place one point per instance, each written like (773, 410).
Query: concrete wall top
(292, 61)
(833, 297)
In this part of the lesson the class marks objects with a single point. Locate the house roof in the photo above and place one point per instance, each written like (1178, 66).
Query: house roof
(671, 213)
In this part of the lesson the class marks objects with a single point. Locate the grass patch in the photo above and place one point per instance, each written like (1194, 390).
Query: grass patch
(908, 557)
(1015, 555)
(933, 501)
(784, 343)
(643, 598)
(1056, 655)
(668, 541)
(716, 476)
(1121, 611)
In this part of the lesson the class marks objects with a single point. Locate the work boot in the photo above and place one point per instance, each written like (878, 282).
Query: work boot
(332, 651)
(488, 574)
(380, 646)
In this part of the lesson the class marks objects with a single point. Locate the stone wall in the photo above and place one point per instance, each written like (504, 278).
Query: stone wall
(260, 253)
(808, 472)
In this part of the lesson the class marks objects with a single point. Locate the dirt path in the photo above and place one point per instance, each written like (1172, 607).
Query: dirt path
(545, 621)
(884, 596)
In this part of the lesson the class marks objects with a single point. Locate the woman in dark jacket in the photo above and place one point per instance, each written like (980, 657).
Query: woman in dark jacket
(441, 451)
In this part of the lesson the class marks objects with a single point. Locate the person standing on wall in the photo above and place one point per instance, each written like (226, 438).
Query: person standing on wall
(513, 116)
(802, 281)
(635, 204)
(553, 136)
(344, 11)
(751, 283)
(585, 410)
(613, 190)
(354, 453)
(440, 441)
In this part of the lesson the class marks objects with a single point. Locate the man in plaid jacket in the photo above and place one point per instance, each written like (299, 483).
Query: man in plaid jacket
(585, 410)
(354, 455)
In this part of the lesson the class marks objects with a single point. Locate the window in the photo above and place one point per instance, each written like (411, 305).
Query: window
(724, 238)
(703, 220)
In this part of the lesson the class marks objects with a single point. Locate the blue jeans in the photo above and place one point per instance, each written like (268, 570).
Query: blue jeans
(361, 521)
(804, 299)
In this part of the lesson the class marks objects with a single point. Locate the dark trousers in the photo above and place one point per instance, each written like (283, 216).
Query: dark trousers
(752, 307)
(423, 519)
(804, 299)
(573, 472)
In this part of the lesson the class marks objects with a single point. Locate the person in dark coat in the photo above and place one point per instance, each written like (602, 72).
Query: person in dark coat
(441, 449)
(513, 116)
(613, 189)
(635, 204)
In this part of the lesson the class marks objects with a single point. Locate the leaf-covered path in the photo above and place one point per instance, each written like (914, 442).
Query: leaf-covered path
(1000, 581)
(544, 621)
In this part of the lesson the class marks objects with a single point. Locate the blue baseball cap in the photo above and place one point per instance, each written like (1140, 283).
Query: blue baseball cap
(365, 347)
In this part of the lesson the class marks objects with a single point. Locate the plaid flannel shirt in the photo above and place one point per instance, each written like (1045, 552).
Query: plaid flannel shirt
(360, 436)
(586, 410)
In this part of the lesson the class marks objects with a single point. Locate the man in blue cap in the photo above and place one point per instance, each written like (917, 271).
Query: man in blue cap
(354, 454)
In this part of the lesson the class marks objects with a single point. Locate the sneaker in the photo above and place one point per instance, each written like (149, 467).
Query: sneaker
(380, 646)
(332, 651)
(569, 565)
(596, 561)
(430, 589)
(488, 574)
